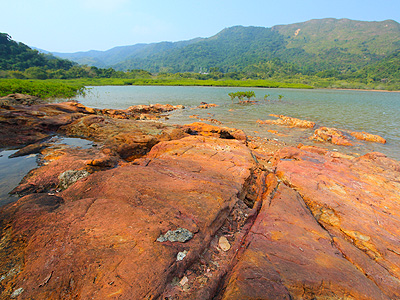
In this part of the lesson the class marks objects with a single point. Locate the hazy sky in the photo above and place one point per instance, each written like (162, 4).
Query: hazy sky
(81, 25)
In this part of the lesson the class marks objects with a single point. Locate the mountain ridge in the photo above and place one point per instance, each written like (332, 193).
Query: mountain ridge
(313, 46)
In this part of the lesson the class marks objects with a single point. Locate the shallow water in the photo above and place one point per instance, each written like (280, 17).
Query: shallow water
(13, 170)
(373, 112)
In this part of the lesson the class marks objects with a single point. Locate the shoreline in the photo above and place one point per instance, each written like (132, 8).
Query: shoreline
(367, 90)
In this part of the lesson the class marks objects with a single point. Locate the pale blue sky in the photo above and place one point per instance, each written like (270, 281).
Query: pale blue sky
(81, 25)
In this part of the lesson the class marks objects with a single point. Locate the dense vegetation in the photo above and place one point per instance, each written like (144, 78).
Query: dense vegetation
(41, 88)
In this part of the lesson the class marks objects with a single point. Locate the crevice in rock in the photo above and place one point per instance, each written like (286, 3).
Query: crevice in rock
(205, 277)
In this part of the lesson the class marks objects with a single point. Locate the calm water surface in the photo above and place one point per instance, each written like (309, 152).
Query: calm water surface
(373, 112)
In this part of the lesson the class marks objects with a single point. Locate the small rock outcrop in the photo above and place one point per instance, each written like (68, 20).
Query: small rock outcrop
(19, 99)
(288, 121)
(331, 135)
(365, 136)
(215, 131)
(205, 105)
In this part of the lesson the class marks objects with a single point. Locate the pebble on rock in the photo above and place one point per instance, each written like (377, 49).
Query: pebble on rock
(17, 292)
(181, 235)
(181, 255)
(183, 281)
(224, 244)
(69, 177)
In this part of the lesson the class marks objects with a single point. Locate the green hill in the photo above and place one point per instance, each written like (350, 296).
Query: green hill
(19, 57)
(312, 46)
(340, 44)
(323, 53)
(230, 50)
(324, 46)
(104, 59)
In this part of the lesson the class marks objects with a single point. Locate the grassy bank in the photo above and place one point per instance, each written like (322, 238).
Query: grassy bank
(186, 82)
(300, 82)
(68, 88)
(44, 89)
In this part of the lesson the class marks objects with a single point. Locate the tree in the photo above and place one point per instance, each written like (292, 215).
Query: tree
(232, 95)
(241, 95)
(17, 74)
(249, 95)
(36, 73)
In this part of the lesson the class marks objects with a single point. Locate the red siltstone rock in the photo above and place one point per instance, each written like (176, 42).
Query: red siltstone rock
(102, 241)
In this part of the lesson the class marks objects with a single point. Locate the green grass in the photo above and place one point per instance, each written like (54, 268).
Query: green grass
(45, 89)
(186, 82)
(68, 88)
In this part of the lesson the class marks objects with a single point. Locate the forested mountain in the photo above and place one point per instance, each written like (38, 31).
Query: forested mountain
(339, 44)
(326, 45)
(19, 57)
(230, 50)
(102, 59)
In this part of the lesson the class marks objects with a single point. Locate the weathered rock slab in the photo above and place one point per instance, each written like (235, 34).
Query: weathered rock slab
(101, 242)
(290, 256)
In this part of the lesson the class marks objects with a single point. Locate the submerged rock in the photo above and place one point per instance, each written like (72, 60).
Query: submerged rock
(368, 137)
(205, 105)
(30, 149)
(288, 121)
(331, 135)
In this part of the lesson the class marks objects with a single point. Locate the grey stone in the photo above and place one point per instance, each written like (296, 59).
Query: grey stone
(17, 292)
(181, 255)
(69, 177)
(181, 235)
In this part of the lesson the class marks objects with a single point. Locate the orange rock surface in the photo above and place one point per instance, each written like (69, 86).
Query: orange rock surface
(329, 235)
(103, 237)
(156, 211)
